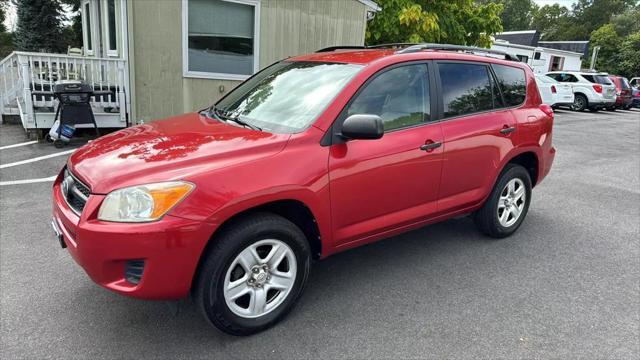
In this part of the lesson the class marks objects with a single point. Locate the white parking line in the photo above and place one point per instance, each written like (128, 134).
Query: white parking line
(3, 166)
(19, 144)
(28, 181)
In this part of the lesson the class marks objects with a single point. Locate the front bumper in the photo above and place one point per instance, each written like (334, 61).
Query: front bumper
(170, 249)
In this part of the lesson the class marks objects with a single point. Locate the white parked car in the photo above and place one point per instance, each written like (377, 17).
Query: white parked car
(554, 93)
(593, 91)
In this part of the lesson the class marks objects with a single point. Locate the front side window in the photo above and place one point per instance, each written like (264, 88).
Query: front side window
(466, 88)
(221, 40)
(400, 96)
(288, 96)
(513, 83)
(563, 77)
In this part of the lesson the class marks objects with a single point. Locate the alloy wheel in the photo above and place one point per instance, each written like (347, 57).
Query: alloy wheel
(578, 104)
(511, 202)
(260, 278)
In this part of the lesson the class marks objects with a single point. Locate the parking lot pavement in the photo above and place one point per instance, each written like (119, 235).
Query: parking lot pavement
(565, 285)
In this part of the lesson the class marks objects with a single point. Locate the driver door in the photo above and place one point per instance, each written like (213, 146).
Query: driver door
(384, 184)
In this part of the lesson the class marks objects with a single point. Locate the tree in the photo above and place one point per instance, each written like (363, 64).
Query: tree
(549, 20)
(39, 26)
(517, 14)
(3, 5)
(463, 22)
(608, 40)
(629, 55)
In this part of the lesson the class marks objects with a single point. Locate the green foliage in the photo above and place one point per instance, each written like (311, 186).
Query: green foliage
(556, 22)
(463, 22)
(39, 25)
(618, 55)
(6, 44)
(3, 11)
(517, 14)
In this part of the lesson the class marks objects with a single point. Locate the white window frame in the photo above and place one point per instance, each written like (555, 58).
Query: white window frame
(220, 76)
(107, 30)
(86, 31)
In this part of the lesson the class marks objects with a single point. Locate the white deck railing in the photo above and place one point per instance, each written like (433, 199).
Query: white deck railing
(24, 72)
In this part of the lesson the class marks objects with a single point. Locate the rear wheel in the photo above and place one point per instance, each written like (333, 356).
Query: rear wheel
(253, 274)
(507, 205)
(580, 103)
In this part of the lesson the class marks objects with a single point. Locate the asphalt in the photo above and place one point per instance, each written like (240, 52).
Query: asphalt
(564, 286)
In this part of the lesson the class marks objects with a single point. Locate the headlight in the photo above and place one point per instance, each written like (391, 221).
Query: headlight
(144, 202)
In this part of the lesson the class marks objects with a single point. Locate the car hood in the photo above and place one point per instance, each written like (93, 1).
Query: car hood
(171, 149)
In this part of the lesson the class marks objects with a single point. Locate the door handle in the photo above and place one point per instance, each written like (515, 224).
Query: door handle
(429, 147)
(507, 130)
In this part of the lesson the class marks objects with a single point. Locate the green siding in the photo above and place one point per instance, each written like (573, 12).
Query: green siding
(287, 28)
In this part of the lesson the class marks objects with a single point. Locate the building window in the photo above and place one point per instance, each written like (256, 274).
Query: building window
(112, 31)
(557, 63)
(220, 38)
(88, 31)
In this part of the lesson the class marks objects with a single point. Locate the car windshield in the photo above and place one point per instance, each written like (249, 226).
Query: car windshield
(287, 96)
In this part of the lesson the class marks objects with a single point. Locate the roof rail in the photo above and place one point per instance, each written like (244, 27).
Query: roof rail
(380, 46)
(467, 49)
(334, 48)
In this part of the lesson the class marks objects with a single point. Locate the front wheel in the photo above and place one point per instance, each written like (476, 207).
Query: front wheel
(507, 205)
(253, 274)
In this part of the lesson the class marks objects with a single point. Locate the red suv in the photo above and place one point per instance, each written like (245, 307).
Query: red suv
(624, 98)
(311, 156)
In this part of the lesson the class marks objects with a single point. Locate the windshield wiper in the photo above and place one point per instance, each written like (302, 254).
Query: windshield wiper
(221, 114)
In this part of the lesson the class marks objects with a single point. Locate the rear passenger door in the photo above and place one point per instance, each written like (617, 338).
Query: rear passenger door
(477, 128)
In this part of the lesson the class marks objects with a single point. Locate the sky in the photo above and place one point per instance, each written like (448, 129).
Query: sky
(566, 3)
(11, 16)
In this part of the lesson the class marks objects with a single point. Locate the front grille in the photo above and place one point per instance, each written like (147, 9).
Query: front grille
(133, 271)
(75, 192)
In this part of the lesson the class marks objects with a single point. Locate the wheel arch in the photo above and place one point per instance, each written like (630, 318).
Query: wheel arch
(530, 161)
(291, 209)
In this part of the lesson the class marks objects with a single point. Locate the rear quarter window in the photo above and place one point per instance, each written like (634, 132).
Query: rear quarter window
(512, 82)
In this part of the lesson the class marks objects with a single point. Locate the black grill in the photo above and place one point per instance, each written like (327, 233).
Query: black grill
(74, 192)
(133, 271)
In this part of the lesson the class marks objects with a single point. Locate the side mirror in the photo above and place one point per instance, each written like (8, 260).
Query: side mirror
(362, 126)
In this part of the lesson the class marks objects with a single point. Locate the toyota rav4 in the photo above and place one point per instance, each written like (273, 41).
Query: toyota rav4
(311, 156)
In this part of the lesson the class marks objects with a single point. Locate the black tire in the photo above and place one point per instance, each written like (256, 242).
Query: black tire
(613, 108)
(220, 254)
(580, 103)
(486, 218)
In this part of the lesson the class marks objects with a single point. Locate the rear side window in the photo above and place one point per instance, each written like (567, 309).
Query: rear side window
(400, 96)
(597, 79)
(513, 83)
(466, 88)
